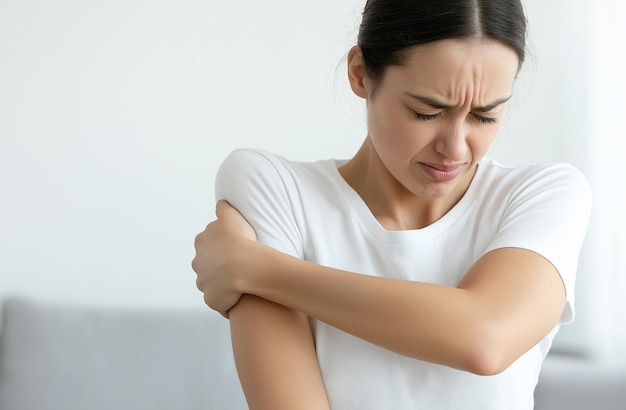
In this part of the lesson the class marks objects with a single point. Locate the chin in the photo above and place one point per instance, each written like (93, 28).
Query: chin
(432, 193)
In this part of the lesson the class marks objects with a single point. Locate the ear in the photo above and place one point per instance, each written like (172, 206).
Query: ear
(356, 72)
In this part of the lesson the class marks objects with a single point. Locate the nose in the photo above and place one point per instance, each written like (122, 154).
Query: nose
(451, 142)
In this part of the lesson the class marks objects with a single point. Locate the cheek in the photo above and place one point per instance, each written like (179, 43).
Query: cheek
(480, 141)
(397, 130)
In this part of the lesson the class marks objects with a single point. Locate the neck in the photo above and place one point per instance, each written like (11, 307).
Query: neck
(391, 203)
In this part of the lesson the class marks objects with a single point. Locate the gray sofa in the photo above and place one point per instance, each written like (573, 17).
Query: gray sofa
(73, 358)
(56, 357)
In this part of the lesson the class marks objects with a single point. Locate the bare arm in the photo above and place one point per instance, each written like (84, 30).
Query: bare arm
(509, 300)
(275, 357)
(273, 345)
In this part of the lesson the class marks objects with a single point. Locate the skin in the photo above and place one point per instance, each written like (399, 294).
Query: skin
(416, 162)
(390, 170)
(272, 344)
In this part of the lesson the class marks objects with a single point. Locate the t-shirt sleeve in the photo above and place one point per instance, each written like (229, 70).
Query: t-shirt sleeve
(260, 187)
(548, 213)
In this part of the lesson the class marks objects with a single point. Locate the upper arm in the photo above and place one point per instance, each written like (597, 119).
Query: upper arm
(275, 356)
(524, 281)
(548, 214)
(273, 345)
(520, 296)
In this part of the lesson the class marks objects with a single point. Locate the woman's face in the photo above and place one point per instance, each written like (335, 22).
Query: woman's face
(432, 119)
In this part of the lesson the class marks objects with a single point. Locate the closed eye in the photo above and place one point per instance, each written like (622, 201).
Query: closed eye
(484, 120)
(428, 117)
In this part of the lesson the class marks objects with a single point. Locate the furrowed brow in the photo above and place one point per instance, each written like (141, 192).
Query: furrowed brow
(493, 105)
(429, 101)
(441, 106)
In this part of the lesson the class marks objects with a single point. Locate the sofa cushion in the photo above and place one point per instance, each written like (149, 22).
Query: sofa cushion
(61, 357)
(578, 383)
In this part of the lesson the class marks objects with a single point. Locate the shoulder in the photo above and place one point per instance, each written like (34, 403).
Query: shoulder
(250, 170)
(261, 187)
(532, 172)
(257, 169)
(252, 161)
(558, 180)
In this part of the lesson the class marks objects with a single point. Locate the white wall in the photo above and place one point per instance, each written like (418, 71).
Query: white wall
(114, 117)
(606, 256)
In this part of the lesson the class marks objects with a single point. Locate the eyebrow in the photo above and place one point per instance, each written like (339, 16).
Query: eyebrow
(441, 106)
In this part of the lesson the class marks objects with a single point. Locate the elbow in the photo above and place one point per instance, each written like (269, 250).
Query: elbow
(485, 362)
(488, 356)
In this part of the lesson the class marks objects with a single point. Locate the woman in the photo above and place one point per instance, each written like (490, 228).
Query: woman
(418, 274)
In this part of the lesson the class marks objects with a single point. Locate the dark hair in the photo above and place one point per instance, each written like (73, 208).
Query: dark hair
(391, 27)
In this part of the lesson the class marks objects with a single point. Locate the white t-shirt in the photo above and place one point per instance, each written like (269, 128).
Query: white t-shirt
(309, 211)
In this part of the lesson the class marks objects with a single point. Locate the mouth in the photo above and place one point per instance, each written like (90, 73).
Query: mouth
(441, 172)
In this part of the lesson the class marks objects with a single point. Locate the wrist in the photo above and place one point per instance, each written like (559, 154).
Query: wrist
(260, 270)
(250, 266)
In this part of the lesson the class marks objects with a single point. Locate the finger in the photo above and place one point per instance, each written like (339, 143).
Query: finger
(225, 211)
(233, 220)
(197, 240)
(194, 264)
(222, 207)
(200, 239)
(229, 214)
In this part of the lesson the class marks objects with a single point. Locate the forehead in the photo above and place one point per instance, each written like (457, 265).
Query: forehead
(457, 69)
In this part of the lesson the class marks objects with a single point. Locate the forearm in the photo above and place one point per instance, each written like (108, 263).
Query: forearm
(480, 330)
(275, 356)
(397, 315)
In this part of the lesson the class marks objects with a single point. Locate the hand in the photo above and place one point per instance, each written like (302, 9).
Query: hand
(219, 256)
